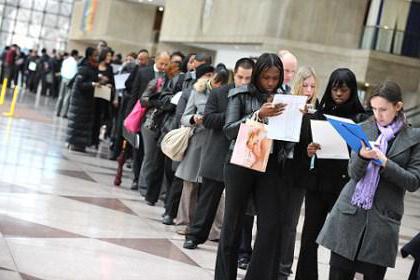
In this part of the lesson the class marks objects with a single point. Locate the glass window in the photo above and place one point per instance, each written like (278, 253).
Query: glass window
(65, 9)
(24, 15)
(34, 30)
(21, 28)
(50, 20)
(40, 5)
(10, 12)
(12, 2)
(49, 33)
(5, 38)
(52, 7)
(37, 17)
(26, 3)
(7, 25)
(63, 23)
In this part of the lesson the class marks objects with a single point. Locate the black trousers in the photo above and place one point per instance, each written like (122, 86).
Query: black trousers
(138, 155)
(241, 183)
(317, 207)
(294, 193)
(338, 273)
(101, 115)
(209, 196)
(173, 198)
(245, 245)
(153, 164)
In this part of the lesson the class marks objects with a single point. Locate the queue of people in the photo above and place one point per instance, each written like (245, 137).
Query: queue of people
(352, 207)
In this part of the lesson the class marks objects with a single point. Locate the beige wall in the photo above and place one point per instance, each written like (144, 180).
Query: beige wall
(126, 26)
(336, 23)
(227, 21)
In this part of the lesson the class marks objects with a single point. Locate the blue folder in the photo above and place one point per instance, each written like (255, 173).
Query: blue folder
(352, 133)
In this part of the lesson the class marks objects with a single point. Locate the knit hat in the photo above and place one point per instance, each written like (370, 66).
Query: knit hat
(203, 69)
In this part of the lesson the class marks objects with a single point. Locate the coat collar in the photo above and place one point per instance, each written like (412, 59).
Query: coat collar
(405, 139)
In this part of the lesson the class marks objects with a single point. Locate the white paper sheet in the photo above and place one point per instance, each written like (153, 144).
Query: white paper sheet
(176, 97)
(32, 66)
(287, 126)
(103, 92)
(120, 80)
(332, 144)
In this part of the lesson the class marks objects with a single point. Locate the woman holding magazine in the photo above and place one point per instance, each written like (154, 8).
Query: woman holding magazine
(363, 227)
(329, 175)
(253, 101)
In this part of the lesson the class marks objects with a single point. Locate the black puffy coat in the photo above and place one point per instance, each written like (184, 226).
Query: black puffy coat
(80, 125)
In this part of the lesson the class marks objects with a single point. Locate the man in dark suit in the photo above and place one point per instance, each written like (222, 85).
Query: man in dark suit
(215, 150)
(143, 76)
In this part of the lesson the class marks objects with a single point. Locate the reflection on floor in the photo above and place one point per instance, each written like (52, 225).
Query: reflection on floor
(61, 218)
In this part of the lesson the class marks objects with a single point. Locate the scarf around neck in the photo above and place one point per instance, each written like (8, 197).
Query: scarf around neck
(366, 187)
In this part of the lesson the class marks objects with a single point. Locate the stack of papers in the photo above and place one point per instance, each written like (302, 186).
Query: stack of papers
(286, 127)
(332, 144)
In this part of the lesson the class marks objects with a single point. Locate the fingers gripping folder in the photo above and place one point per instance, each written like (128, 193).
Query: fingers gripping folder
(351, 132)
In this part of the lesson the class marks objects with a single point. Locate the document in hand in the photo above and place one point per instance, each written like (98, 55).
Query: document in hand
(287, 126)
(332, 145)
(103, 92)
(176, 98)
(120, 80)
(351, 132)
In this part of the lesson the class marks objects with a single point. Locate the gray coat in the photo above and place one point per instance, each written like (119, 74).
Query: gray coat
(189, 168)
(344, 227)
(214, 151)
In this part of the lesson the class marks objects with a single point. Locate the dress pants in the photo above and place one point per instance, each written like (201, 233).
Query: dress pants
(209, 196)
(245, 246)
(153, 164)
(101, 114)
(216, 228)
(187, 203)
(60, 110)
(241, 183)
(138, 155)
(294, 199)
(317, 206)
(173, 197)
(338, 273)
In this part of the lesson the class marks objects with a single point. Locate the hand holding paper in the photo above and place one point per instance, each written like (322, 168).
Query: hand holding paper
(333, 146)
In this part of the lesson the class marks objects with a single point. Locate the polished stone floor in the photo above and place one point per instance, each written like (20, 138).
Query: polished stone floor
(61, 217)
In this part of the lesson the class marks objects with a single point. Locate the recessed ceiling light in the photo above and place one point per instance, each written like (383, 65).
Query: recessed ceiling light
(160, 9)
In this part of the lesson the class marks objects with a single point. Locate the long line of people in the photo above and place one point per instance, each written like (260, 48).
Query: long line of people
(352, 208)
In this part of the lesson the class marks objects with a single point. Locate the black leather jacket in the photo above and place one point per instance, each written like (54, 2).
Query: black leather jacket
(243, 102)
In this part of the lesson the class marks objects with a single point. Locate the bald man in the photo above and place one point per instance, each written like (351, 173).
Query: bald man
(143, 77)
(290, 65)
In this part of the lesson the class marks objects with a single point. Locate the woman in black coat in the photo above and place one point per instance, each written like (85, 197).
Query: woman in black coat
(340, 99)
(102, 112)
(80, 125)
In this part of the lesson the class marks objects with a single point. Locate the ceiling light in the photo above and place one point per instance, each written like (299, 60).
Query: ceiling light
(160, 9)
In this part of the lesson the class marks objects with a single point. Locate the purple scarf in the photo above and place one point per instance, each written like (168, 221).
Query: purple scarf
(366, 187)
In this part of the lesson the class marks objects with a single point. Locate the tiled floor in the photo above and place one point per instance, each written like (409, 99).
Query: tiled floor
(61, 217)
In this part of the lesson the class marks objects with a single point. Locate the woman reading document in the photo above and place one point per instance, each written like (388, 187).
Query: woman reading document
(363, 227)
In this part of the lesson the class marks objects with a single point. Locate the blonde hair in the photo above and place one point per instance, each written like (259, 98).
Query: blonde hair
(302, 74)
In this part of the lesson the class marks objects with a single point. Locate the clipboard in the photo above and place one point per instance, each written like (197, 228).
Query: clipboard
(351, 132)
